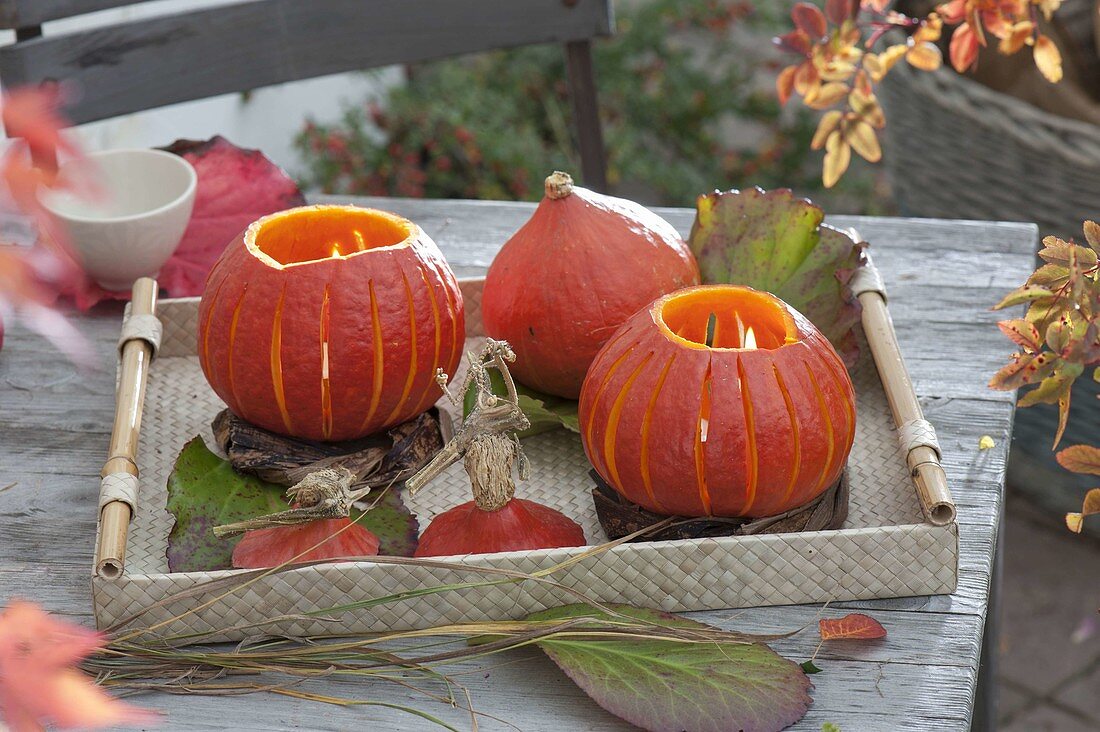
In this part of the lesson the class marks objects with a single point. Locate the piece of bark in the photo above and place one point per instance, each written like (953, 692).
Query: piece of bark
(377, 460)
(620, 517)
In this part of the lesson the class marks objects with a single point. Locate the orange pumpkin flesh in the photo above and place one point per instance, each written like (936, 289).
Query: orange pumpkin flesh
(328, 322)
(573, 273)
(272, 547)
(684, 428)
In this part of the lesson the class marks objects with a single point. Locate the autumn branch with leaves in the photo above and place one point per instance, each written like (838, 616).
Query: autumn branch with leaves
(1059, 337)
(839, 70)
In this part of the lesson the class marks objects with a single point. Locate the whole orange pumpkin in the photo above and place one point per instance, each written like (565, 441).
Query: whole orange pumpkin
(718, 401)
(564, 282)
(328, 322)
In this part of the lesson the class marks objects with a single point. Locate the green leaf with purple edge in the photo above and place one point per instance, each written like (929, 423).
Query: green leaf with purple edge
(774, 241)
(670, 685)
(204, 491)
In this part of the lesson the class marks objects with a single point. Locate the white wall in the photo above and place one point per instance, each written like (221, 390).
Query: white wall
(268, 119)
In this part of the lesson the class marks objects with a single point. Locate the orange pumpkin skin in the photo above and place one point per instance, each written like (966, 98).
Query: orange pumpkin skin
(322, 347)
(565, 281)
(682, 428)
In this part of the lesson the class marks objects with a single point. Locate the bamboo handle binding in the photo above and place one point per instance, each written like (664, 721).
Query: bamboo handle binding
(923, 459)
(115, 513)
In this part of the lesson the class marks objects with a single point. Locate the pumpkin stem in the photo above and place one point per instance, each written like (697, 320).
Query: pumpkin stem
(486, 452)
(323, 494)
(559, 185)
(488, 462)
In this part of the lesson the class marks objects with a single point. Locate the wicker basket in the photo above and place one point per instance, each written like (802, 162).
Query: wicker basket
(957, 149)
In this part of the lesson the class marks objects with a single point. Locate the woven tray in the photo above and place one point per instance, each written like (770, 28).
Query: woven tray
(885, 548)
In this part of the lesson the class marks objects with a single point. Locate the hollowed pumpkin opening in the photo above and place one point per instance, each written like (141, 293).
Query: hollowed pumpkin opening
(727, 317)
(321, 232)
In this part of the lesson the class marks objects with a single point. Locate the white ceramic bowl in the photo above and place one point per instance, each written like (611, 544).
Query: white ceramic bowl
(135, 221)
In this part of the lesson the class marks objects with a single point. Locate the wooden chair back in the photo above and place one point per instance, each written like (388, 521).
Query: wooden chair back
(178, 57)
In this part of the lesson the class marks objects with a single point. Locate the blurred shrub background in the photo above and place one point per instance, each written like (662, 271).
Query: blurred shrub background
(687, 97)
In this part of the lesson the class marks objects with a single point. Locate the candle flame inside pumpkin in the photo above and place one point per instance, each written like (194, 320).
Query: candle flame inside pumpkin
(750, 339)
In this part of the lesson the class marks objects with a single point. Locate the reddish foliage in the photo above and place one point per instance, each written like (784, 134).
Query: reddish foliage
(855, 626)
(39, 683)
(338, 539)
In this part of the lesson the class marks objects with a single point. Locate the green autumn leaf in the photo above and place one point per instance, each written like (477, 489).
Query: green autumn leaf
(546, 412)
(204, 491)
(776, 242)
(669, 685)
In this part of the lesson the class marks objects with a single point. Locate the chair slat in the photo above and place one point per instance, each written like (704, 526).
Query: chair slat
(150, 63)
(27, 13)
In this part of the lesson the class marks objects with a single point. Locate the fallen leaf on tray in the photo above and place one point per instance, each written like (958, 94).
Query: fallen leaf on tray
(204, 491)
(855, 626)
(985, 442)
(668, 685)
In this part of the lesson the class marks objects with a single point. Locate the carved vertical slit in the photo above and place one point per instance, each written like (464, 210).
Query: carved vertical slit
(232, 339)
(849, 408)
(647, 422)
(613, 421)
(206, 325)
(821, 405)
(414, 347)
(326, 392)
(792, 413)
(751, 457)
(701, 427)
(379, 363)
(599, 393)
(277, 361)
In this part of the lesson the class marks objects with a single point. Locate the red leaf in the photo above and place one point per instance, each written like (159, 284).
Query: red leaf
(797, 41)
(839, 11)
(964, 48)
(1022, 333)
(809, 19)
(851, 627)
(236, 187)
(784, 83)
(324, 539)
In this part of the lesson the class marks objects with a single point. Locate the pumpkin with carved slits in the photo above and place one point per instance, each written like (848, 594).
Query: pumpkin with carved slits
(329, 322)
(718, 400)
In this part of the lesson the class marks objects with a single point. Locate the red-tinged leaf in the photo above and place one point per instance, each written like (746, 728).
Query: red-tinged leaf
(838, 11)
(1048, 58)
(1091, 505)
(1024, 294)
(39, 681)
(1080, 459)
(33, 114)
(1049, 391)
(236, 186)
(809, 19)
(784, 84)
(1057, 251)
(668, 685)
(1022, 333)
(855, 626)
(1092, 234)
(952, 12)
(964, 48)
(1022, 370)
(796, 42)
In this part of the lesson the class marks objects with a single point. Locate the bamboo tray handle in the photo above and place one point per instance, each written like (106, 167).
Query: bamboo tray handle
(118, 490)
(916, 434)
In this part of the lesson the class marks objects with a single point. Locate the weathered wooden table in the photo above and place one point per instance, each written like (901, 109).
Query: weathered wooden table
(942, 277)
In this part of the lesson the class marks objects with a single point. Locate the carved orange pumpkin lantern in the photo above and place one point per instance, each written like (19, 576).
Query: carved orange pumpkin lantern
(328, 322)
(718, 401)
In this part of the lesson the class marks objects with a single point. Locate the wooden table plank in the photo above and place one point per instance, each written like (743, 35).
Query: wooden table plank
(942, 277)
